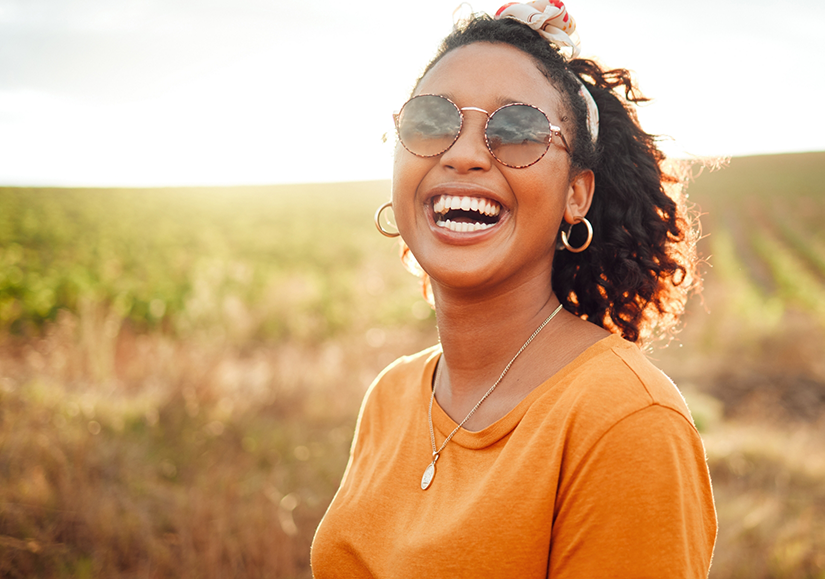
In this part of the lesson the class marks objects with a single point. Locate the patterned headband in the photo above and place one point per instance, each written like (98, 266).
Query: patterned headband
(550, 19)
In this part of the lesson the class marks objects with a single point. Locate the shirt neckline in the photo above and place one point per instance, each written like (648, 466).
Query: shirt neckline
(443, 424)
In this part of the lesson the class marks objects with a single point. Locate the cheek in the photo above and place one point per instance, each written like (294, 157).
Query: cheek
(397, 165)
(542, 201)
(404, 185)
(408, 173)
(400, 179)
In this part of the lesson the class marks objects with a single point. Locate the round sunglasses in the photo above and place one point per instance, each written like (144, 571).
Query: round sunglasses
(517, 135)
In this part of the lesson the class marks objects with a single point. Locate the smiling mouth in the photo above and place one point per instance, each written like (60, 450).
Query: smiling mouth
(464, 214)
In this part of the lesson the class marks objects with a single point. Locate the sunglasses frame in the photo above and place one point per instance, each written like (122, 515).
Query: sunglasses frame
(554, 130)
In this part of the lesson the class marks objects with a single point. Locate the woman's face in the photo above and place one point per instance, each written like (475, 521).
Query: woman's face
(529, 202)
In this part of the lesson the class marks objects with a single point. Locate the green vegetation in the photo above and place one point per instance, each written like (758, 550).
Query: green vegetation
(180, 370)
(265, 262)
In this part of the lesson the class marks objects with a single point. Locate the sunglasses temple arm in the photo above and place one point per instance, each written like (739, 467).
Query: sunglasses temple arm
(563, 140)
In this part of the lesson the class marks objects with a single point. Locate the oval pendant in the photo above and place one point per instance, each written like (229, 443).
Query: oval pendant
(429, 475)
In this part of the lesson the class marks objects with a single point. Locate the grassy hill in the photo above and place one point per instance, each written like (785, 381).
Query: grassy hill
(180, 369)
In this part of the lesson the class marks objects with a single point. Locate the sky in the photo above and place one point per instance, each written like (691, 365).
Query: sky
(230, 92)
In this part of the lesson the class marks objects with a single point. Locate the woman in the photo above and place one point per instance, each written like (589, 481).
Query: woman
(535, 440)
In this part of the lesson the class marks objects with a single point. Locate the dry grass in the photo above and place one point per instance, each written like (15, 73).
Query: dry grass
(207, 459)
(769, 487)
(197, 459)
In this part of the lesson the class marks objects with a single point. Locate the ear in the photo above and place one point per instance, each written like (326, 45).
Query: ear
(579, 196)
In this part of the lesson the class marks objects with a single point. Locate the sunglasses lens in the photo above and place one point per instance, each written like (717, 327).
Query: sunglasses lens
(428, 125)
(518, 135)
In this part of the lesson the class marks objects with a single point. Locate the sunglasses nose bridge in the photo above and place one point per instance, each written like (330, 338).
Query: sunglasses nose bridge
(475, 109)
(482, 125)
(470, 148)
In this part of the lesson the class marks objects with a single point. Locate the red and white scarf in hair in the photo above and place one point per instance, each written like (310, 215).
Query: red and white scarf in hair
(551, 19)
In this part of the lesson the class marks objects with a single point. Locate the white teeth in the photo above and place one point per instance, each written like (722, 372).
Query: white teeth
(447, 202)
(462, 227)
(488, 208)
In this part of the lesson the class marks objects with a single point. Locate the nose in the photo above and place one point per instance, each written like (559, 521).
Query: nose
(469, 152)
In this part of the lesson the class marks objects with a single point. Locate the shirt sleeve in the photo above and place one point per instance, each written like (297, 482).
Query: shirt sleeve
(638, 504)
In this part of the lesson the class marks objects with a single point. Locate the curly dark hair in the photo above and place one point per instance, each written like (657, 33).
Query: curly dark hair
(635, 277)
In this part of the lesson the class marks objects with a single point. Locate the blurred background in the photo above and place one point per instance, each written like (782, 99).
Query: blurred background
(193, 298)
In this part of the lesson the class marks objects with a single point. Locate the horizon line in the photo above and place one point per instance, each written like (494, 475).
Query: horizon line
(289, 183)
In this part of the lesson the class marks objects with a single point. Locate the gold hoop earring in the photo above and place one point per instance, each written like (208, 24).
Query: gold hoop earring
(378, 221)
(586, 244)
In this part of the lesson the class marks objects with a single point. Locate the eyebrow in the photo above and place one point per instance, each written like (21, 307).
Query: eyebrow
(504, 100)
(499, 102)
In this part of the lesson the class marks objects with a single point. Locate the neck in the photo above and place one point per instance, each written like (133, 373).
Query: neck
(481, 334)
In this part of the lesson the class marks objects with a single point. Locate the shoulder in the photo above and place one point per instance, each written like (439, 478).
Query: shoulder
(410, 364)
(609, 389)
(404, 372)
(399, 385)
(394, 396)
(614, 379)
(634, 483)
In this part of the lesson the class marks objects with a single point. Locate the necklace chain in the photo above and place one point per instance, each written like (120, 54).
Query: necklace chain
(426, 481)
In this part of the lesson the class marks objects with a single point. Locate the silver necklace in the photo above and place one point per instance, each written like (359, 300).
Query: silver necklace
(429, 473)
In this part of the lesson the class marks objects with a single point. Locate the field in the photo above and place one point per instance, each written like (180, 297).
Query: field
(180, 370)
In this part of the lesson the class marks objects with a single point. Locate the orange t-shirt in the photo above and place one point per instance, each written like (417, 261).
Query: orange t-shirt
(599, 472)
